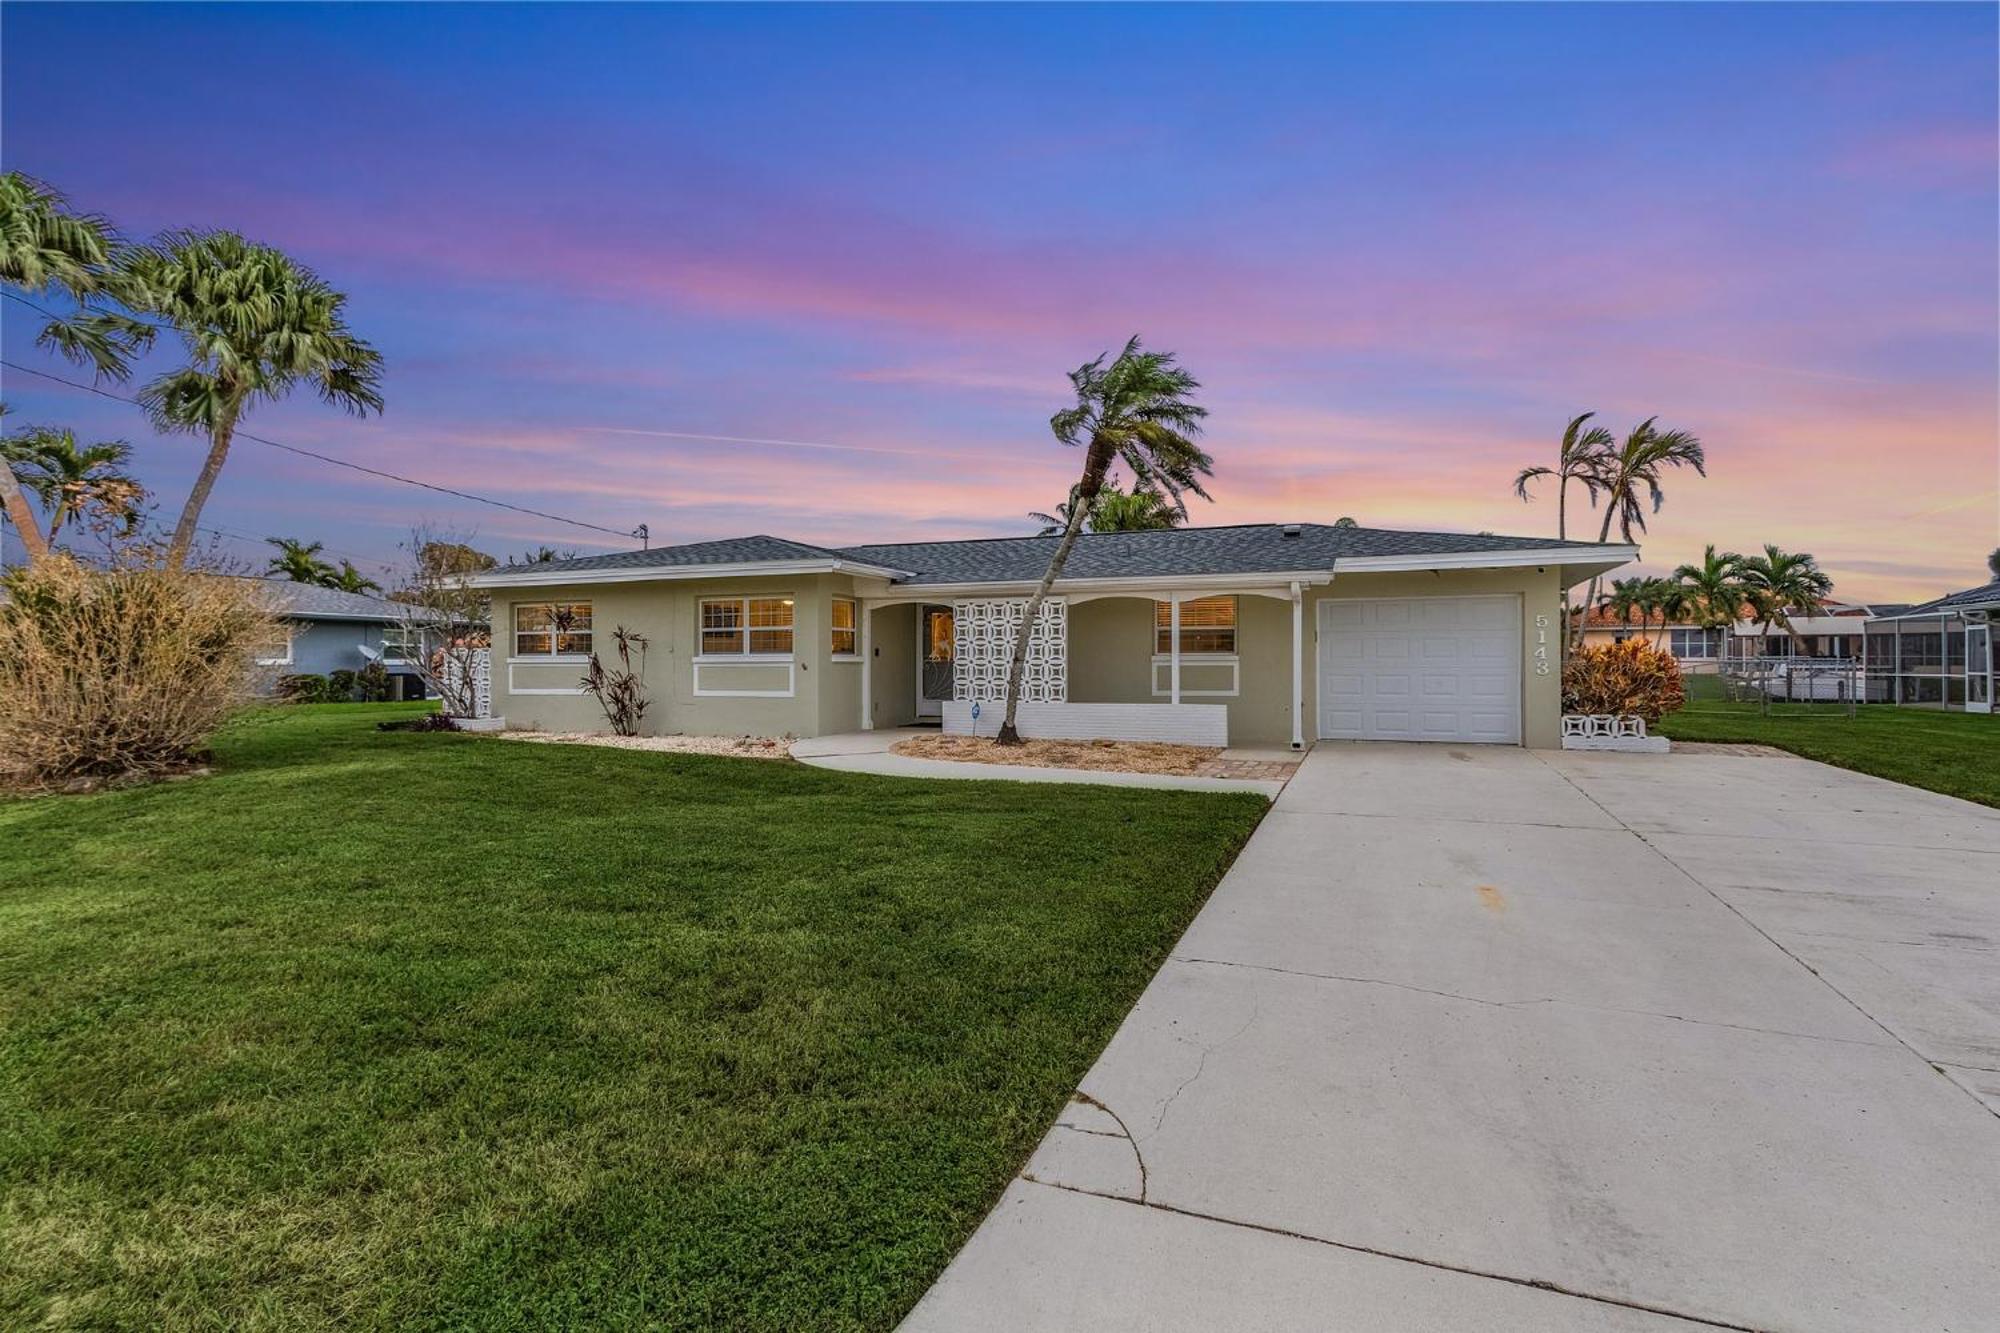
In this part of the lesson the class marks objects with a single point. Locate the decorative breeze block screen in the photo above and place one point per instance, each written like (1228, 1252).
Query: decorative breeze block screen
(984, 633)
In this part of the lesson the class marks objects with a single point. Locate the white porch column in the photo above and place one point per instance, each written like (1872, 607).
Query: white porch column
(1174, 649)
(865, 612)
(1298, 670)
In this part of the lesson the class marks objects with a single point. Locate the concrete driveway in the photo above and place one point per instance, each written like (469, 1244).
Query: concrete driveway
(1482, 1039)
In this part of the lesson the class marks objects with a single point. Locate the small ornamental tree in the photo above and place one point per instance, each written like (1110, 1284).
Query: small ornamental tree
(1623, 679)
(447, 616)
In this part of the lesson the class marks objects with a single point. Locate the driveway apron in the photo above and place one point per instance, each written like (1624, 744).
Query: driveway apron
(1480, 1038)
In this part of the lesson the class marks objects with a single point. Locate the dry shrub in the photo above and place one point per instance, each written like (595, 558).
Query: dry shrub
(1622, 678)
(109, 674)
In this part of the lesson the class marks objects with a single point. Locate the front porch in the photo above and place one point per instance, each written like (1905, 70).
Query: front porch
(1200, 665)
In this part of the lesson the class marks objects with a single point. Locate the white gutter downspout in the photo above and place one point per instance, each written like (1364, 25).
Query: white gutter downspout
(1298, 670)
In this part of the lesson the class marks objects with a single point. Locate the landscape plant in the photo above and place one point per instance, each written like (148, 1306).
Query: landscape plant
(1778, 583)
(372, 683)
(1139, 410)
(621, 693)
(120, 673)
(75, 484)
(340, 685)
(1622, 679)
(444, 613)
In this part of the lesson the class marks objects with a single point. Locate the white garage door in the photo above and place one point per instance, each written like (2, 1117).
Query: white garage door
(1420, 669)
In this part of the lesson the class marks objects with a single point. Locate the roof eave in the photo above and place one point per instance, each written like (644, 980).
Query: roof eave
(541, 578)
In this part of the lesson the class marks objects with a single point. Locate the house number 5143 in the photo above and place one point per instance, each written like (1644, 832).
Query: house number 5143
(1541, 645)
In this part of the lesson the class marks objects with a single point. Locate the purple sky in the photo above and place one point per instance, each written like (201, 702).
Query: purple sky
(1400, 247)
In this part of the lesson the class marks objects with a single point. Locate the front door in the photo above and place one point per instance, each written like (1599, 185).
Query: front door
(935, 652)
(1978, 668)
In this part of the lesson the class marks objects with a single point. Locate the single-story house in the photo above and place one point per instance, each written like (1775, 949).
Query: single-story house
(1260, 634)
(329, 630)
(1939, 652)
(1695, 647)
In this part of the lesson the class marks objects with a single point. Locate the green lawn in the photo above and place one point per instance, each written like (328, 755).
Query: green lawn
(1955, 753)
(391, 1030)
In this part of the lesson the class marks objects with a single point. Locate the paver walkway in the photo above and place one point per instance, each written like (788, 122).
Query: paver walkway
(1476, 1039)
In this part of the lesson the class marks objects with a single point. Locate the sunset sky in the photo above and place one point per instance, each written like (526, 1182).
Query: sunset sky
(819, 271)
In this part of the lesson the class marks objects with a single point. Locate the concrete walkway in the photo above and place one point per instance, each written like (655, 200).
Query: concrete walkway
(1479, 1039)
(868, 752)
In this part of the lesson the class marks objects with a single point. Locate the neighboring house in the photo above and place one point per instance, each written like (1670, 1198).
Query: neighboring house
(329, 630)
(1696, 648)
(1259, 634)
(1938, 653)
(1833, 632)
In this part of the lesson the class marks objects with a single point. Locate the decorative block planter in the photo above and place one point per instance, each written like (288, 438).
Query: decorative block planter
(1607, 731)
(481, 723)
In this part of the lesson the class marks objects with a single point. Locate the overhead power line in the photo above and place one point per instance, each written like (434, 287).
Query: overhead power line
(342, 462)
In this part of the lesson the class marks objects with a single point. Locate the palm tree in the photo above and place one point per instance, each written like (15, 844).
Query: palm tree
(72, 483)
(1623, 599)
(1116, 511)
(299, 561)
(1778, 583)
(1623, 472)
(1345, 522)
(1137, 410)
(45, 245)
(1714, 588)
(350, 579)
(256, 324)
(1993, 563)
(1578, 459)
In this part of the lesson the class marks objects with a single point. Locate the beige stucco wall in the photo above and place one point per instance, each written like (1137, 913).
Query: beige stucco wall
(1111, 651)
(1110, 657)
(814, 695)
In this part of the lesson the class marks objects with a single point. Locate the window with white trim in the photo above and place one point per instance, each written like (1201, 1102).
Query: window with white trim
(402, 642)
(552, 629)
(273, 658)
(846, 640)
(1208, 625)
(1696, 642)
(746, 627)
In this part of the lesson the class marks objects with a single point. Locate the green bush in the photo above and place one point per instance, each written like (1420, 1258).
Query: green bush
(374, 683)
(340, 686)
(305, 688)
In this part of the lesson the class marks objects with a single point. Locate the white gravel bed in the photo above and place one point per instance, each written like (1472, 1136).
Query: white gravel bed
(740, 747)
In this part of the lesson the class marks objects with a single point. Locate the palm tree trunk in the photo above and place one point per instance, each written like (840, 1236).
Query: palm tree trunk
(211, 468)
(1603, 536)
(1008, 735)
(57, 519)
(18, 513)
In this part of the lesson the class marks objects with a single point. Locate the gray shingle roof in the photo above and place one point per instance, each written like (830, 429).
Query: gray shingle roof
(1251, 548)
(309, 601)
(1966, 599)
(728, 551)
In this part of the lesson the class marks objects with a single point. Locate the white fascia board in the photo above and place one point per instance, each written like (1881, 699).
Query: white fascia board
(532, 578)
(1566, 556)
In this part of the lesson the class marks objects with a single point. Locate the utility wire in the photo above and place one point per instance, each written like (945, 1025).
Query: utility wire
(338, 462)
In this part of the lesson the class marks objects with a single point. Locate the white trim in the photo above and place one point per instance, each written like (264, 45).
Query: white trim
(1230, 660)
(550, 659)
(754, 660)
(1179, 724)
(1298, 669)
(1555, 555)
(844, 657)
(535, 578)
(1255, 583)
(864, 620)
(290, 652)
(543, 661)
